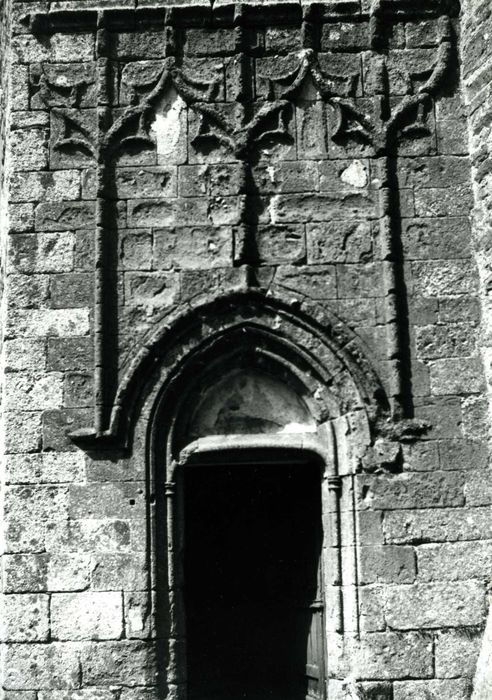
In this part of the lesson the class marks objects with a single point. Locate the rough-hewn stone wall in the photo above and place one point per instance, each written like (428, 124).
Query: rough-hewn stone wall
(476, 54)
(160, 162)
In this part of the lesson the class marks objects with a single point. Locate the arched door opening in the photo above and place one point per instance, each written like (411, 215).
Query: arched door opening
(252, 576)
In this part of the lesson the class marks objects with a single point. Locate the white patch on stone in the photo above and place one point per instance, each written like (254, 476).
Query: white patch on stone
(167, 125)
(272, 207)
(355, 175)
(271, 173)
(295, 428)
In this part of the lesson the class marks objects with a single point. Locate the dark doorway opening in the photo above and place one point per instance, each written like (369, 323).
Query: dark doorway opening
(254, 615)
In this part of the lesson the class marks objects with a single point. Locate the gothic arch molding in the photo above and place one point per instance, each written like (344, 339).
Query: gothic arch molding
(292, 330)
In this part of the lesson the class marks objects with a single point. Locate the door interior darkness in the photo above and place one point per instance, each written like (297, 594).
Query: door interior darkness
(254, 617)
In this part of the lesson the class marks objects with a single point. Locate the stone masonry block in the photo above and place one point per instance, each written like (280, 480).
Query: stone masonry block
(63, 216)
(386, 564)
(444, 415)
(24, 573)
(28, 291)
(46, 467)
(29, 149)
(27, 391)
(143, 213)
(276, 244)
(138, 618)
(434, 605)
(71, 291)
(22, 431)
(433, 239)
(146, 182)
(129, 662)
(381, 655)
(339, 241)
(281, 178)
(344, 175)
(152, 290)
(124, 500)
(86, 535)
(86, 615)
(323, 207)
(455, 561)
(45, 186)
(135, 249)
(451, 340)
(432, 690)
(25, 618)
(457, 376)
(192, 247)
(421, 456)
(114, 572)
(438, 525)
(41, 666)
(24, 354)
(317, 281)
(79, 694)
(68, 354)
(411, 490)
(478, 488)
(48, 252)
(463, 454)
(434, 171)
(457, 653)
(68, 572)
(48, 322)
(444, 278)
(21, 217)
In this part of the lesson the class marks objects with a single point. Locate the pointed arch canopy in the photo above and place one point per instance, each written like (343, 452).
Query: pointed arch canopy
(297, 340)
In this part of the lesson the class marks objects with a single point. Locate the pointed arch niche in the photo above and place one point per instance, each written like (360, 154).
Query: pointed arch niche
(262, 389)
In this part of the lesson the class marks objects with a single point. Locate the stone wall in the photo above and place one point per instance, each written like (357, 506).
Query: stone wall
(476, 54)
(208, 164)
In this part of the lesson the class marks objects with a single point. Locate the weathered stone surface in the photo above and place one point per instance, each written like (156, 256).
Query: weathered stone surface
(457, 653)
(41, 666)
(86, 615)
(432, 690)
(440, 525)
(383, 655)
(192, 248)
(47, 322)
(339, 241)
(245, 174)
(456, 340)
(25, 618)
(127, 662)
(387, 564)
(454, 562)
(434, 605)
(407, 490)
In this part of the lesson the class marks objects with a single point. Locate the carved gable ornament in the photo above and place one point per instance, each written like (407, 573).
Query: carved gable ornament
(245, 83)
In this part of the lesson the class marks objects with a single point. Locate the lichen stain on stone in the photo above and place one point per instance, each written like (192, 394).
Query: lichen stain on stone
(167, 125)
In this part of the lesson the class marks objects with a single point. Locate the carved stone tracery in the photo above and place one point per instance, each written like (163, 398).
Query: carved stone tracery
(397, 103)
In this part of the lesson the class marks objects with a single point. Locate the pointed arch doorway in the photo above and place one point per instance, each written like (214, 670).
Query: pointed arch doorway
(237, 420)
(249, 554)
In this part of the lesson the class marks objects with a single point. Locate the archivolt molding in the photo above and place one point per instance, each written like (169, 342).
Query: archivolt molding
(308, 341)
